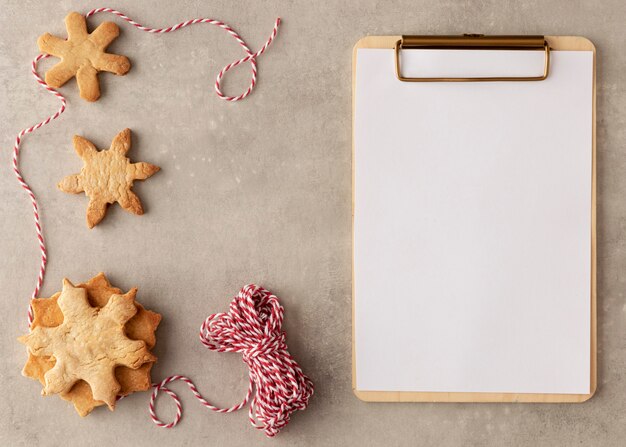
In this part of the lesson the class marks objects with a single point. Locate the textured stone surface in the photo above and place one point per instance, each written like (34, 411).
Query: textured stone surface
(259, 191)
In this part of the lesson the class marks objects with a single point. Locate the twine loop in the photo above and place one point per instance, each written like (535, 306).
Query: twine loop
(253, 327)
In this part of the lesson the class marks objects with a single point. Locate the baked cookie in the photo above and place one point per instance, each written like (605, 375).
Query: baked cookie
(107, 177)
(141, 327)
(82, 55)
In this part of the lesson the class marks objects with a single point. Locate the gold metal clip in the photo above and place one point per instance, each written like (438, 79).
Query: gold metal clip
(474, 42)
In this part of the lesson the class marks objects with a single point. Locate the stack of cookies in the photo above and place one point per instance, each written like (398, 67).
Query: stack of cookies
(90, 344)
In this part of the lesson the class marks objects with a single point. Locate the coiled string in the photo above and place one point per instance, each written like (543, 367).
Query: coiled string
(252, 327)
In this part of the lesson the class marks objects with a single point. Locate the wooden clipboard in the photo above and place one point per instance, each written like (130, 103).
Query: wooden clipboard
(569, 43)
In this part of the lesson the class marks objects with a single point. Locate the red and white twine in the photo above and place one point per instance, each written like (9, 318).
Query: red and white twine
(253, 326)
(250, 57)
(29, 191)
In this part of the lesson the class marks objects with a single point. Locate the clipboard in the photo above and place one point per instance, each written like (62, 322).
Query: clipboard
(547, 46)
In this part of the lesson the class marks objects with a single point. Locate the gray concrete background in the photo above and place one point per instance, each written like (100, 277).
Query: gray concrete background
(259, 191)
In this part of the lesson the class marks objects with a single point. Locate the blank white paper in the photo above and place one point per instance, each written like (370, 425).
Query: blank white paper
(472, 225)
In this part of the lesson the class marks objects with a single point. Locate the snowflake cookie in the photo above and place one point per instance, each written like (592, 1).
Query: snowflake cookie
(82, 55)
(107, 177)
(90, 344)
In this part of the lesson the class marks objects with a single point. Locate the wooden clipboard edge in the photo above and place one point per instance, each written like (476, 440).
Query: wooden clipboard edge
(569, 43)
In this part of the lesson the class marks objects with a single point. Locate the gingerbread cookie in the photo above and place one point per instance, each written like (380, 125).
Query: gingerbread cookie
(82, 55)
(107, 177)
(49, 314)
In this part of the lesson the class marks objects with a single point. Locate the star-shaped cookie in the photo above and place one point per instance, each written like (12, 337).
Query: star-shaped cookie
(107, 177)
(82, 55)
(89, 343)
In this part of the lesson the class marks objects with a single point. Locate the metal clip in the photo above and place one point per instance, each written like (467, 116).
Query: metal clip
(474, 42)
